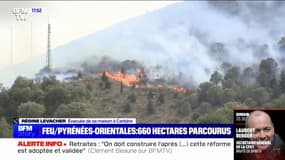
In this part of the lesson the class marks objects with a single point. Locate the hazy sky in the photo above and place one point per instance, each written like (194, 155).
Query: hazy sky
(69, 21)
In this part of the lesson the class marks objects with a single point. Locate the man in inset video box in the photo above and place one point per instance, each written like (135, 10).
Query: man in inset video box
(269, 144)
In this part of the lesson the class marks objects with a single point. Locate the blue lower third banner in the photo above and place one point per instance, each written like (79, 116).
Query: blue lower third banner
(123, 131)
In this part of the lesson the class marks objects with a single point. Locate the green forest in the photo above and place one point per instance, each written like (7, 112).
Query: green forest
(212, 102)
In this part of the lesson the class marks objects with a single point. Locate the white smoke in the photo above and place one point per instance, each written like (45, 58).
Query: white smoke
(180, 39)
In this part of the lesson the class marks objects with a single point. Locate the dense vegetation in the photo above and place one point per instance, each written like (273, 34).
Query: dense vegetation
(212, 102)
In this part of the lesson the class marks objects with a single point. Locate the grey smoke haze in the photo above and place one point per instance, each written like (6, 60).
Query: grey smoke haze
(189, 39)
(179, 37)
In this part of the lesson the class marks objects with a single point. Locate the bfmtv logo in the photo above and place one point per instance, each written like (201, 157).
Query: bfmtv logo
(25, 128)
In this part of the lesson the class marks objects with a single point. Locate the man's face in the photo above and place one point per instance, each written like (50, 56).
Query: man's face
(264, 130)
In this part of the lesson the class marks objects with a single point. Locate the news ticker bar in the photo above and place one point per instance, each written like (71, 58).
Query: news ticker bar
(123, 130)
(77, 120)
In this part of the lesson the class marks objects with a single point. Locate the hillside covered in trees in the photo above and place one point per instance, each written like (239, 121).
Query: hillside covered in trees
(211, 102)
